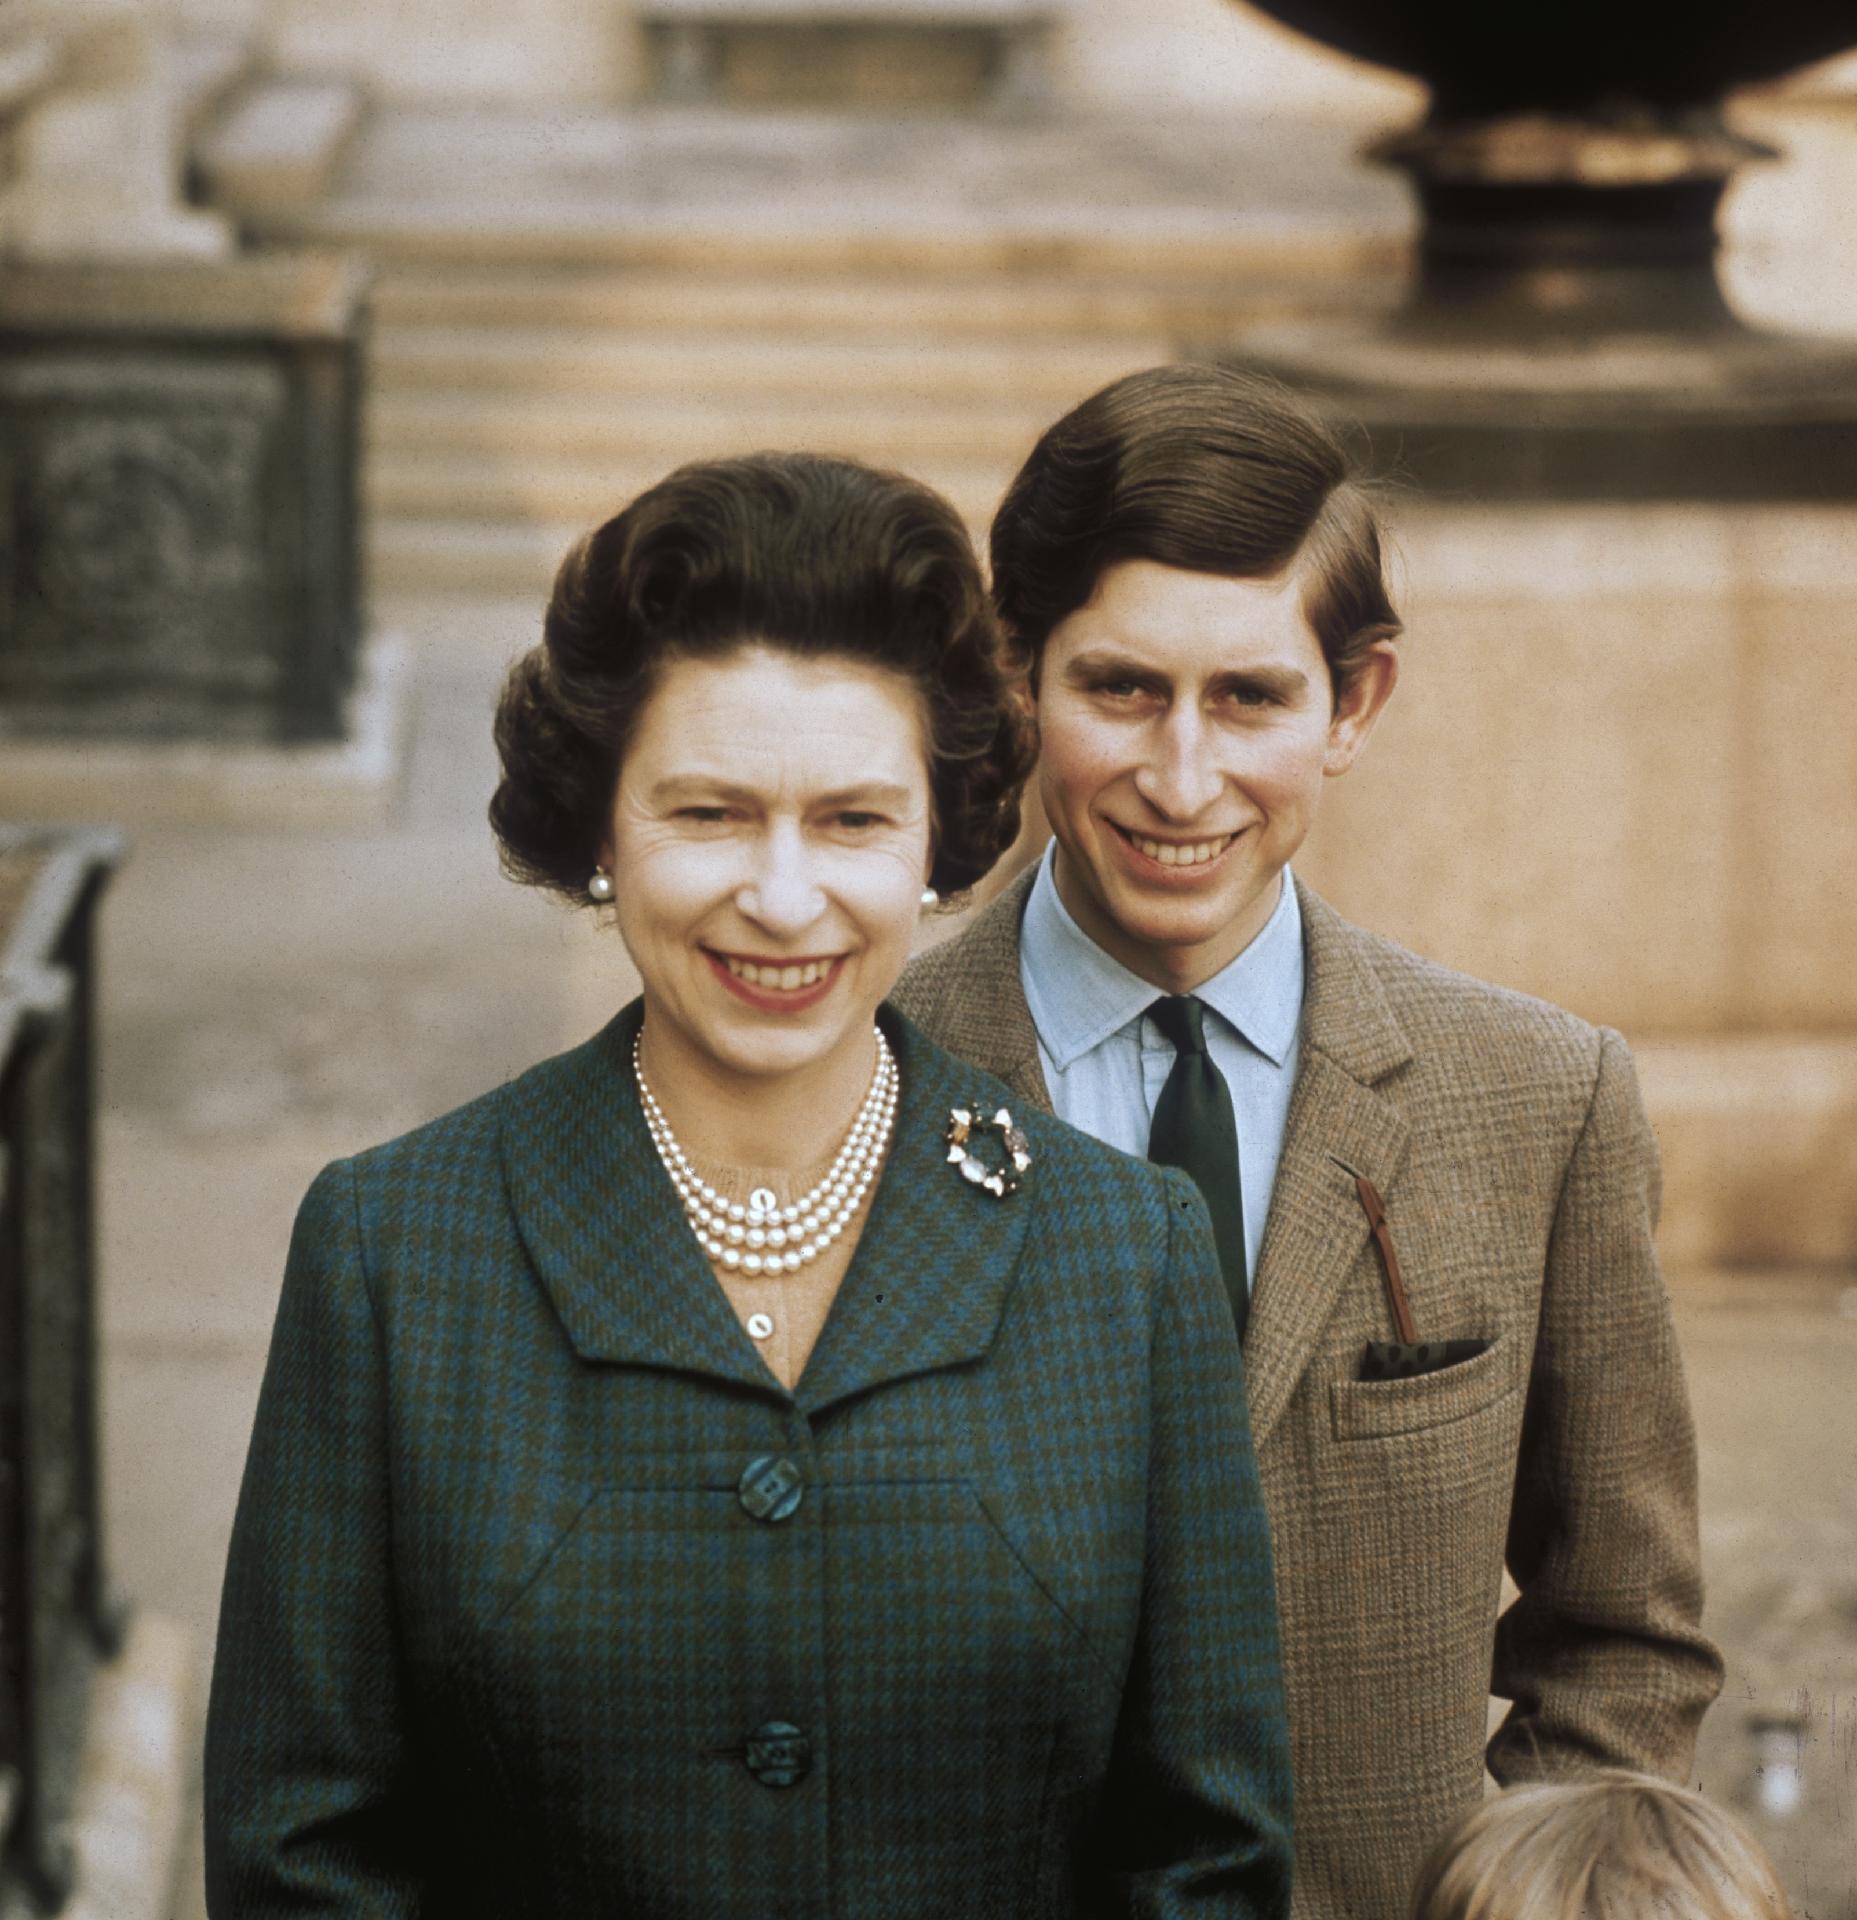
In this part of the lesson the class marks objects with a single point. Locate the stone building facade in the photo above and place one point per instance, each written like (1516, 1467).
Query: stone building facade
(1209, 52)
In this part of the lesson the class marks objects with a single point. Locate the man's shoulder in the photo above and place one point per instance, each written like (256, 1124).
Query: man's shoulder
(942, 987)
(1456, 1019)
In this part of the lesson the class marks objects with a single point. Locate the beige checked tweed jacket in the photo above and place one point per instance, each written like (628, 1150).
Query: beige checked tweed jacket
(1520, 1180)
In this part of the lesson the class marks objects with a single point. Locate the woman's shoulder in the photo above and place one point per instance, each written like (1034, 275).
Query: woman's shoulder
(453, 1149)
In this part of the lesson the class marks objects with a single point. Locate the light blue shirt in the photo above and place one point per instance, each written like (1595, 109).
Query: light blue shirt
(1105, 1062)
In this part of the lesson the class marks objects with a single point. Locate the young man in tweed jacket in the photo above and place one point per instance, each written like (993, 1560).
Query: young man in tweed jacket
(1434, 1199)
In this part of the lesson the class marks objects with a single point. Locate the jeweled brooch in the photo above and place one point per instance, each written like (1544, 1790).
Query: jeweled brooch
(967, 1126)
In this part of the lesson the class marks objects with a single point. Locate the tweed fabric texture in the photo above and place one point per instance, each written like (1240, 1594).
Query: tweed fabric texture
(1520, 1179)
(497, 1624)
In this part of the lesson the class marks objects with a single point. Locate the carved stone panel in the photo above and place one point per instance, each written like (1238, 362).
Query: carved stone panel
(142, 596)
(178, 495)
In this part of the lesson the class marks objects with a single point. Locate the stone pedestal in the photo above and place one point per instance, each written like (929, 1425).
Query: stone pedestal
(1619, 775)
(179, 459)
(1564, 335)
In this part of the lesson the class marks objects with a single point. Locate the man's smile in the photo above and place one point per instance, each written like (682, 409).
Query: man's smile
(1175, 857)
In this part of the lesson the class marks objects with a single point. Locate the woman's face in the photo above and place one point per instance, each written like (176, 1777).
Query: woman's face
(770, 840)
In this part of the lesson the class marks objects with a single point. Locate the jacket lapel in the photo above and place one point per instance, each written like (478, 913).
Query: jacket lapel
(601, 1223)
(937, 1257)
(1340, 1124)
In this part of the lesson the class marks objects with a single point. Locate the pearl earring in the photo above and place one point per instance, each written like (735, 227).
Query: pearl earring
(930, 898)
(600, 886)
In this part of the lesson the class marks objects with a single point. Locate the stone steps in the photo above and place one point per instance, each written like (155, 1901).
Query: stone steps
(746, 369)
(495, 439)
(495, 235)
(662, 429)
(409, 555)
(537, 492)
(569, 304)
(832, 303)
(512, 409)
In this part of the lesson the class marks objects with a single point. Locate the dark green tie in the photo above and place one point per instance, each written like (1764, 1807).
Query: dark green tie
(1195, 1131)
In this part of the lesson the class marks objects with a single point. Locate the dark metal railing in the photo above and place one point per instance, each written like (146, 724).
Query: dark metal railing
(56, 1617)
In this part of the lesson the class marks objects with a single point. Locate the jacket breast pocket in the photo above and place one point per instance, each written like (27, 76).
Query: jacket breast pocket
(1380, 1409)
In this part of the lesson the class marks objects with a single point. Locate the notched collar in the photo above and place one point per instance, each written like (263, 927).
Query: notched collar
(1346, 1014)
(601, 1223)
(933, 1271)
(1343, 1122)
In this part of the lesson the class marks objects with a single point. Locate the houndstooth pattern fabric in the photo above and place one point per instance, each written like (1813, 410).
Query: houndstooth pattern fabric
(498, 1626)
(1520, 1180)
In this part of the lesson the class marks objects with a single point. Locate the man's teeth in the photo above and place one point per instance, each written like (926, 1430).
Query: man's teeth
(785, 978)
(1170, 854)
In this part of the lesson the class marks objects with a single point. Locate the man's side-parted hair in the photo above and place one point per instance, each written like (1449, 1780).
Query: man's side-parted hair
(809, 555)
(1204, 468)
(1612, 1845)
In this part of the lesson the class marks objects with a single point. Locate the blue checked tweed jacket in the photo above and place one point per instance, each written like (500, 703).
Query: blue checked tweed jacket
(497, 1623)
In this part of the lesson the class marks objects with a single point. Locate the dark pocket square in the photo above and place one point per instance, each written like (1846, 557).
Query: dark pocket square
(1407, 1359)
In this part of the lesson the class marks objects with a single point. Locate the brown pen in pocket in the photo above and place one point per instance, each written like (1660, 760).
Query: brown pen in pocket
(1408, 1356)
(1398, 1304)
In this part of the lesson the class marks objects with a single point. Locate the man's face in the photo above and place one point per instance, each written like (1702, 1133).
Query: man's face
(1188, 722)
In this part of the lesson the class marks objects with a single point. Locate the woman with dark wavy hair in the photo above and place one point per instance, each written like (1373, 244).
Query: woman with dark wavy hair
(740, 1468)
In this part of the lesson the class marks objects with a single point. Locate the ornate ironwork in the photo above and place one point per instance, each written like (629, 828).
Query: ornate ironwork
(56, 1617)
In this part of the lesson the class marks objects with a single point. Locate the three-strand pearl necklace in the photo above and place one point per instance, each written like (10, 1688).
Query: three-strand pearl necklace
(763, 1236)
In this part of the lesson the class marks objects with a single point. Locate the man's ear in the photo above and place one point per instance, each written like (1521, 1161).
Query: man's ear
(1358, 706)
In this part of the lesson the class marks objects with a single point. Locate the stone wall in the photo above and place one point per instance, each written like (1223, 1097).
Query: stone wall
(1199, 52)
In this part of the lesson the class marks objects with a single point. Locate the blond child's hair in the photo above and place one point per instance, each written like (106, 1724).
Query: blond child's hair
(1610, 1846)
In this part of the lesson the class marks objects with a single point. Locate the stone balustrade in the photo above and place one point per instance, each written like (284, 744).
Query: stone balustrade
(92, 115)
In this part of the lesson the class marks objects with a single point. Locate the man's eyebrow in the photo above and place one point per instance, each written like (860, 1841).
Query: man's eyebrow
(1286, 683)
(1282, 682)
(1103, 664)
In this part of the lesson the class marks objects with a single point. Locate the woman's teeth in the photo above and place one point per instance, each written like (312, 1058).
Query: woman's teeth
(1170, 854)
(787, 979)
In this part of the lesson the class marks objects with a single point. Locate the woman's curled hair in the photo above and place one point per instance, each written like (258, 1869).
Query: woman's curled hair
(806, 554)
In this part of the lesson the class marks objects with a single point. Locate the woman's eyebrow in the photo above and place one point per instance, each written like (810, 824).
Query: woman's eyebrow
(887, 793)
(712, 786)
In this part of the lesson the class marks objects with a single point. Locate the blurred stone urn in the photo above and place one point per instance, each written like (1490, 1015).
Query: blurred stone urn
(1570, 167)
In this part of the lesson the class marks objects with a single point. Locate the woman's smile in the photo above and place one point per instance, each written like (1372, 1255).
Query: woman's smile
(776, 984)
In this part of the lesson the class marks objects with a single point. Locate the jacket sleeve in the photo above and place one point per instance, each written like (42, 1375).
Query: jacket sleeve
(1198, 1796)
(307, 1773)
(1602, 1655)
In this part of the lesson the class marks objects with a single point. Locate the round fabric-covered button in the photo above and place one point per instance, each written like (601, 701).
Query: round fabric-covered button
(772, 1488)
(779, 1754)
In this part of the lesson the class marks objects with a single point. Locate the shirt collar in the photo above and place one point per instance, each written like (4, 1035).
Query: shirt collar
(1079, 995)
